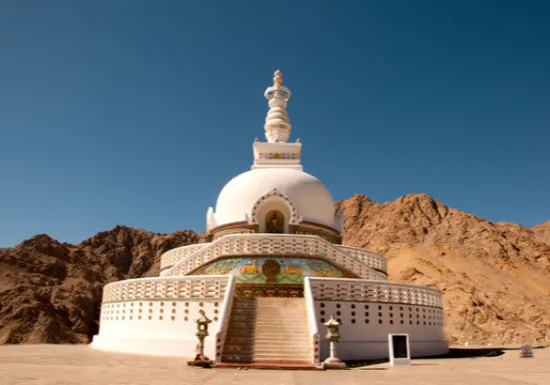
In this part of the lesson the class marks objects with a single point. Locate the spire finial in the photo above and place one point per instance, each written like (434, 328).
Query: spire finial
(277, 126)
(278, 77)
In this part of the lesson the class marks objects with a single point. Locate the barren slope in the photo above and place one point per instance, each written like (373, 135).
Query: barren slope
(495, 276)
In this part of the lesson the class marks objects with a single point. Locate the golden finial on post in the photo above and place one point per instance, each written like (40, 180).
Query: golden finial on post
(278, 79)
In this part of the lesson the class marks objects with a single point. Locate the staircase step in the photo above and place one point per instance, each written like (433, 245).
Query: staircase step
(269, 330)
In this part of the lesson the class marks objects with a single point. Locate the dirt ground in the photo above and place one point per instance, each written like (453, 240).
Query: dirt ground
(81, 365)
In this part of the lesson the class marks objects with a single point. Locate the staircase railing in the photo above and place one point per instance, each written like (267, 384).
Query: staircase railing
(312, 322)
(225, 315)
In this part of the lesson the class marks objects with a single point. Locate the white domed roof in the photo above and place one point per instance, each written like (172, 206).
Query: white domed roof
(308, 194)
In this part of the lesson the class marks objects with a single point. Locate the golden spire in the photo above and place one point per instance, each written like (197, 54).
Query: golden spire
(278, 78)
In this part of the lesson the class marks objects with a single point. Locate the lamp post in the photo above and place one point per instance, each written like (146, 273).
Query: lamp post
(333, 335)
(202, 332)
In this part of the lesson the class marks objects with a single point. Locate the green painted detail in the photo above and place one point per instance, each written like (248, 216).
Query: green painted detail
(271, 270)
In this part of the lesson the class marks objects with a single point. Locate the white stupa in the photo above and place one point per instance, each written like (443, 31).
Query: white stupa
(271, 274)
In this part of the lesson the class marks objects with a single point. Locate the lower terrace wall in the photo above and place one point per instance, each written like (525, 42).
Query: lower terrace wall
(370, 310)
(160, 318)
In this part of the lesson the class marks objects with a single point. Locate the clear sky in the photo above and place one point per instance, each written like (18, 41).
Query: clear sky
(138, 112)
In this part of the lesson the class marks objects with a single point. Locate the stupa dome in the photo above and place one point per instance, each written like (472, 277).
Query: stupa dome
(298, 190)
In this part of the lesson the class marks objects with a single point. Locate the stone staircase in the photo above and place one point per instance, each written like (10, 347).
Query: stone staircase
(268, 330)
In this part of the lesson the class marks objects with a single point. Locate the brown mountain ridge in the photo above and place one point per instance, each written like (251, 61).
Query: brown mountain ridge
(495, 277)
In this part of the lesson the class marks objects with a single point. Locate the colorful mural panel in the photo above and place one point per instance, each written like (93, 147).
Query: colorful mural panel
(271, 270)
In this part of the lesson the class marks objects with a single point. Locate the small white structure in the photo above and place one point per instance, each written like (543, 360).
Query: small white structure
(400, 354)
(274, 248)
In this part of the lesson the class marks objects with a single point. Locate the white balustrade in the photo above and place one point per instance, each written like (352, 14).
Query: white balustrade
(275, 244)
(312, 322)
(210, 286)
(223, 324)
(362, 290)
(171, 257)
(374, 260)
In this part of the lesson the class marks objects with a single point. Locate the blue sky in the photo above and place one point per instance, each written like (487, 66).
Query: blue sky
(138, 112)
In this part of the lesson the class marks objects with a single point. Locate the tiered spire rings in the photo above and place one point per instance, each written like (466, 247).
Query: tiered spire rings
(277, 126)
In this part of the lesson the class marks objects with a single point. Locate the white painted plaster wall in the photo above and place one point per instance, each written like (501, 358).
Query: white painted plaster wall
(366, 325)
(156, 327)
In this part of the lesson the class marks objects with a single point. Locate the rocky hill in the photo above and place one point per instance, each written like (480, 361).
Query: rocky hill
(51, 291)
(495, 277)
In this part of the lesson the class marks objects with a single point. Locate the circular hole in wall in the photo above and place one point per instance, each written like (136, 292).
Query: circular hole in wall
(353, 314)
(366, 314)
(338, 313)
(379, 307)
(338, 306)
(322, 305)
(366, 307)
(322, 320)
(379, 321)
(352, 321)
(353, 306)
(391, 322)
(367, 321)
(322, 312)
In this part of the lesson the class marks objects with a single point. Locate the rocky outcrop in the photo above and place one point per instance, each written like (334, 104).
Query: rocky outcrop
(542, 232)
(51, 291)
(495, 277)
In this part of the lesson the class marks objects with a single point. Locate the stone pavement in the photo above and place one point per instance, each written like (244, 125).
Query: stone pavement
(80, 365)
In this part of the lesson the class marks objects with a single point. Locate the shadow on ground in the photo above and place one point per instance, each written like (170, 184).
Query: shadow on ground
(453, 353)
